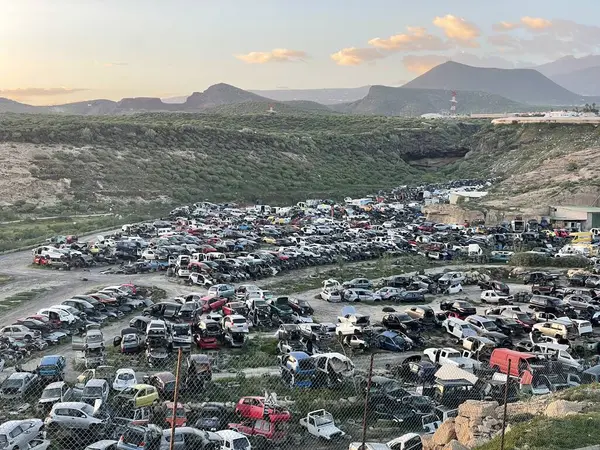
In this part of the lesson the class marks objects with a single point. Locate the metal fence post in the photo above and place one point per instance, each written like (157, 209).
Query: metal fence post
(364, 424)
(505, 406)
(175, 400)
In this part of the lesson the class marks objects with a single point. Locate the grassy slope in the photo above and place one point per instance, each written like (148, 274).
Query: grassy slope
(192, 157)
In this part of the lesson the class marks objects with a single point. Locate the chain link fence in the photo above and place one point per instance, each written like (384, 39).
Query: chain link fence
(296, 385)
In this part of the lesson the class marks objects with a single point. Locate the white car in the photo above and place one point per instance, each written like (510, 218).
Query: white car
(455, 288)
(76, 415)
(124, 378)
(64, 316)
(235, 322)
(17, 434)
(19, 332)
(332, 295)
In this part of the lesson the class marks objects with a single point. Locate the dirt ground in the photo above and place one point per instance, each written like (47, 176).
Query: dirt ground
(61, 285)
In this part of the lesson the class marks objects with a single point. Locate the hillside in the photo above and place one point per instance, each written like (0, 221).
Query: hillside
(520, 85)
(220, 94)
(64, 164)
(331, 96)
(584, 81)
(7, 105)
(568, 64)
(389, 101)
(262, 107)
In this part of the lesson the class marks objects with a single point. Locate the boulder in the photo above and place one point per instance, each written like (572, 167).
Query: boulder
(463, 430)
(454, 445)
(477, 409)
(445, 433)
(562, 408)
(427, 440)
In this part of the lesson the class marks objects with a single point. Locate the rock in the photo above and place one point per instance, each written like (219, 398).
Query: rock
(427, 441)
(463, 429)
(562, 408)
(454, 445)
(475, 408)
(491, 422)
(445, 433)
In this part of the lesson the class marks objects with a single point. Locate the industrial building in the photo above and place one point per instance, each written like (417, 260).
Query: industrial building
(582, 218)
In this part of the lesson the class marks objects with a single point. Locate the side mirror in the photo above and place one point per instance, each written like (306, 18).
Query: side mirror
(117, 341)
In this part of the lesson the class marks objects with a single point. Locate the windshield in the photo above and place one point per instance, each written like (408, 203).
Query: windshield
(240, 321)
(490, 326)
(523, 317)
(52, 393)
(94, 391)
(240, 443)
(12, 383)
(126, 376)
(95, 338)
(133, 436)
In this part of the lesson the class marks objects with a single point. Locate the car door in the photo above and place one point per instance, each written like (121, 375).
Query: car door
(78, 419)
(15, 436)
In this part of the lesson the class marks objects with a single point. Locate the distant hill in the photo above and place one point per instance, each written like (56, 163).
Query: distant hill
(7, 105)
(143, 104)
(390, 101)
(262, 107)
(520, 85)
(89, 107)
(568, 64)
(331, 96)
(220, 94)
(584, 81)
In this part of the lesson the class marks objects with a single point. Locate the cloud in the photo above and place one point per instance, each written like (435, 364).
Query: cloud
(353, 56)
(416, 39)
(419, 64)
(505, 26)
(535, 23)
(38, 92)
(550, 38)
(275, 55)
(459, 30)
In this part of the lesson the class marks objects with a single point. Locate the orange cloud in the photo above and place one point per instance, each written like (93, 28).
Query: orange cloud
(505, 26)
(419, 64)
(416, 39)
(275, 55)
(22, 93)
(535, 23)
(353, 56)
(458, 30)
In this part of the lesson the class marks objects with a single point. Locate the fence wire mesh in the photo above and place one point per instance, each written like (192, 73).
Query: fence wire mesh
(235, 382)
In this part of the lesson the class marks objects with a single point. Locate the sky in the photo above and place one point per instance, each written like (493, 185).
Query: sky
(61, 51)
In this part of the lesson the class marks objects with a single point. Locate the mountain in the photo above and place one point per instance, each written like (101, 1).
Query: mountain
(584, 81)
(89, 107)
(568, 64)
(389, 101)
(286, 108)
(7, 105)
(178, 99)
(324, 96)
(521, 85)
(220, 94)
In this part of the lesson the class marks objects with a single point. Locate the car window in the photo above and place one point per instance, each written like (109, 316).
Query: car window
(15, 432)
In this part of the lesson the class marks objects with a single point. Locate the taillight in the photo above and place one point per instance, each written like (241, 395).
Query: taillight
(142, 444)
(121, 439)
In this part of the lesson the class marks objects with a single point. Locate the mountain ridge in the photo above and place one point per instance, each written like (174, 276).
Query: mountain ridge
(521, 85)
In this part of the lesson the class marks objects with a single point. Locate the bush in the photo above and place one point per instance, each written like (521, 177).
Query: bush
(535, 260)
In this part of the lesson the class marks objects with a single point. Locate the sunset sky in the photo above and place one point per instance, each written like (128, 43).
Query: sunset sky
(59, 51)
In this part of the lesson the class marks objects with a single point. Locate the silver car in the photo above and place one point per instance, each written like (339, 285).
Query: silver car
(19, 433)
(76, 415)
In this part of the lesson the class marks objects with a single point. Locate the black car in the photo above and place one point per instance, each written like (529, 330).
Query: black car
(460, 307)
(211, 417)
(507, 325)
(410, 297)
(494, 285)
(548, 304)
(400, 321)
(302, 307)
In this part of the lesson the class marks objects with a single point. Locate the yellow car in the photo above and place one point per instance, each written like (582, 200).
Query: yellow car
(138, 395)
(269, 240)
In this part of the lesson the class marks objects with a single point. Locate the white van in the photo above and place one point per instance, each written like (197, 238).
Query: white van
(232, 440)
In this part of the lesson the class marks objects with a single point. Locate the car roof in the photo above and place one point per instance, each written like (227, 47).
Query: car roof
(18, 375)
(230, 434)
(50, 358)
(165, 376)
(299, 355)
(96, 382)
(12, 423)
(54, 385)
(74, 405)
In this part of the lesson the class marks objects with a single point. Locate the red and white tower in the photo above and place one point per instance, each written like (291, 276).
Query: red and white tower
(453, 103)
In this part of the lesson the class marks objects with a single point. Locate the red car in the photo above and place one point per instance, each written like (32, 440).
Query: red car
(210, 303)
(272, 432)
(180, 416)
(206, 342)
(39, 259)
(232, 308)
(254, 408)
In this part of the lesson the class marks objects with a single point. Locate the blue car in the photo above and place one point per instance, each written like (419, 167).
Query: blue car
(393, 342)
(297, 369)
(52, 367)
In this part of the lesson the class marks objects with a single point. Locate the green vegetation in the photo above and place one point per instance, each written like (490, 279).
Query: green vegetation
(15, 300)
(571, 432)
(156, 160)
(534, 260)
(4, 279)
(30, 232)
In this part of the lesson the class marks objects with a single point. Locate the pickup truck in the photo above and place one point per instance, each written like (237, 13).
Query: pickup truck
(320, 423)
(451, 356)
(280, 310)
